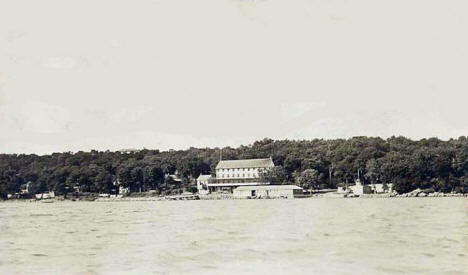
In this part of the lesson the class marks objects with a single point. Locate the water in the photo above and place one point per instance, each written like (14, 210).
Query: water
(312, 236)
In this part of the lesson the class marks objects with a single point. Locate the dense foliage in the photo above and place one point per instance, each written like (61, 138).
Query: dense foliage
(427, 163)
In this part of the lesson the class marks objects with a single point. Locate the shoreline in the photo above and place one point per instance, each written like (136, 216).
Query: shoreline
(229, 197)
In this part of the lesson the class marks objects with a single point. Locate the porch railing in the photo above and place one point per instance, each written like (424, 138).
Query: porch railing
(234, 180)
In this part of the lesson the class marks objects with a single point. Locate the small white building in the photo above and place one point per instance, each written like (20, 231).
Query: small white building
(174, 177)
(358, 188)
(343, 190)
(267, 191)
(382, 187)
(202, 184)
(47, 195)
(123, 190)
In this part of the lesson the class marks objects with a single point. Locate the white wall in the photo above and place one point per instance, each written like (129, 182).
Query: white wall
(243, 194)
(200, 188)
(238, 173)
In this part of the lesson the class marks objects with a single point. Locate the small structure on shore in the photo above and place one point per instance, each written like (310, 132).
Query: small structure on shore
(173, 177)
(123, 190)
(379, 188)
(267, 191)
(47, 195)
(202, 184)
(358, 188)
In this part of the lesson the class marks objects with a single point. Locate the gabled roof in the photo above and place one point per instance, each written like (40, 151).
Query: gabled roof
(204, 177)
(245, 163)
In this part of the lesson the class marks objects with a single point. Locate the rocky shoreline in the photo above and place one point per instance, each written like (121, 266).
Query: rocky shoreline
(414, 194)
(418, 193)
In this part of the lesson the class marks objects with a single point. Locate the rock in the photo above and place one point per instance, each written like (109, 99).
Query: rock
(422, 194)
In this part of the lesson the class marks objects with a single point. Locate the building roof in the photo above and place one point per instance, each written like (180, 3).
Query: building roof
(268, 187)
(204, 177)
(245, 163)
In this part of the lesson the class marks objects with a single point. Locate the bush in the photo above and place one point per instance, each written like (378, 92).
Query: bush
(192, 189)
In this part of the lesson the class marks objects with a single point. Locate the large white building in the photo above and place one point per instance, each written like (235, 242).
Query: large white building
(234, 173)
(243, 168)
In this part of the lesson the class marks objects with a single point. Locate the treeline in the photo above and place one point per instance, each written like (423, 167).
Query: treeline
(427, 163)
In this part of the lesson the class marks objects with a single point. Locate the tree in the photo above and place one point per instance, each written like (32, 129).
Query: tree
(137, 179)
(37, 188)
(103, 181)
(275, 175)
(372, 170)
(309, 179)
(153, 177)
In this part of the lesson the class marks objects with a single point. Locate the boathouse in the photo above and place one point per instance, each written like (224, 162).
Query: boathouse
(267, 191)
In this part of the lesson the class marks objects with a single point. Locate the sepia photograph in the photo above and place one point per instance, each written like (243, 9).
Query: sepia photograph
(234, 137)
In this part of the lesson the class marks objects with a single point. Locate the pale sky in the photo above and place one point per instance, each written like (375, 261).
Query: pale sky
(162, 74)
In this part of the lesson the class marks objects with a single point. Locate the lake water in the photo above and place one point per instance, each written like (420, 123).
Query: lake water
(302, 236)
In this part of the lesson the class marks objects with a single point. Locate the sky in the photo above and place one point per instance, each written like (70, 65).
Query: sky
(174, 74)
